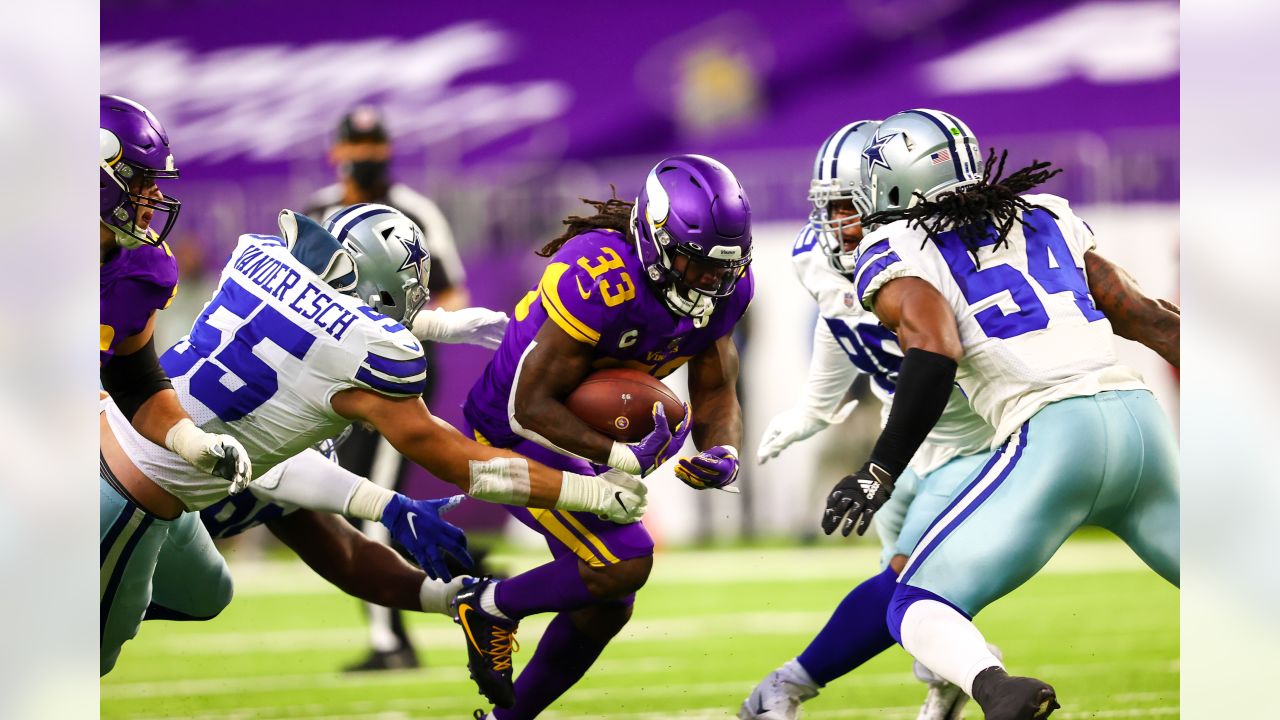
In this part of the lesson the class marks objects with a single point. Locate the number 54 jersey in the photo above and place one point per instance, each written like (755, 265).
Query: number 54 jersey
(1029, 327)
(263, 361)
(594, 289)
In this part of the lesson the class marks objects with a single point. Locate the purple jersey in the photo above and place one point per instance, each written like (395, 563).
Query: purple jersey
(132, 285)
(595, 290)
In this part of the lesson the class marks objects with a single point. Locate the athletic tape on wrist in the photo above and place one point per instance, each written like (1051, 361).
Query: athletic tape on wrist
(621, 457)
(500, 480)
(368, 501)
(581, 493)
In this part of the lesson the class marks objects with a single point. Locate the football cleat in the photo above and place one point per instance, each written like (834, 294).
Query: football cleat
(481, 715)
(944, 700)
(1005, 697)
(490, 642)
(779, 695)
(403, 658)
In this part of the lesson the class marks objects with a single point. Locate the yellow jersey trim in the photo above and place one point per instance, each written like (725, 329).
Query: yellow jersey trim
(556, 310)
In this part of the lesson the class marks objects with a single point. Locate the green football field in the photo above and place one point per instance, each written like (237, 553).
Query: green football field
(710, 623)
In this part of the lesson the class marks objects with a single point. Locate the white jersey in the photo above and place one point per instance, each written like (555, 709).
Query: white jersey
(263, 362)
(867, 346)
(1030, 331)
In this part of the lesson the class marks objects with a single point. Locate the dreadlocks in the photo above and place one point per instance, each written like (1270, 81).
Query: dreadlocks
(968, 209)
(611, 214)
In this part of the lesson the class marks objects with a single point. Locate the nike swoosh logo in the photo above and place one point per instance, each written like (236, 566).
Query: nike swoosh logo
(617, 495)
(462, 620)
(412, 529)
(584, 293)
(760, 708)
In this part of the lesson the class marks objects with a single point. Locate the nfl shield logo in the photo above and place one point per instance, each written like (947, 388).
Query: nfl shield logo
(848, 300)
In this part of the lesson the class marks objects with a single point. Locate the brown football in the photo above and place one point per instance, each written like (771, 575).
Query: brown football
(619, 403)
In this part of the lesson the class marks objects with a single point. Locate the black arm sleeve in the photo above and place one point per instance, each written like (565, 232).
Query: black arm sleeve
(132, 379)
(924, 386)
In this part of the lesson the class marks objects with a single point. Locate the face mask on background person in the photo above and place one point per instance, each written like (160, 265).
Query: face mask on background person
(368, 174)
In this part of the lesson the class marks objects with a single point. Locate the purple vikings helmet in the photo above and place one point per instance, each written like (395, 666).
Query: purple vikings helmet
(135, 149)
(692, 225)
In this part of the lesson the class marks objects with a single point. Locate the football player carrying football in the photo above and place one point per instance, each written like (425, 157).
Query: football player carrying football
(651, 286)
(303, 337)
(1001, 293)
(848, 340)
(138, 276)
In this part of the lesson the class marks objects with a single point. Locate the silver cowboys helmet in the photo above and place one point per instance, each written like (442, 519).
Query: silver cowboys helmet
(391, 257)
(919, 151)
(837, 175)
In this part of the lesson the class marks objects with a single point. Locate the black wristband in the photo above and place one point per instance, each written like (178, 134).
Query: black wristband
(132, 379)
(923, 388)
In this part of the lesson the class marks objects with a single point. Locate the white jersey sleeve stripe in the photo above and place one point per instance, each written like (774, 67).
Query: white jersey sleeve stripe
(877, 266)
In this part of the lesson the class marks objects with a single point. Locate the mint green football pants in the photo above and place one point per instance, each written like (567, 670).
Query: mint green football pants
(1109, 460)
(916, 501)
(151, 568)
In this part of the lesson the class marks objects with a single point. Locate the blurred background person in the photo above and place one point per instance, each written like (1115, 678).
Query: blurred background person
(361, 153)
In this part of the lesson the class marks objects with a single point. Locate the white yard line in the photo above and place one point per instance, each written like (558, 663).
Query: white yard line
(625, 669)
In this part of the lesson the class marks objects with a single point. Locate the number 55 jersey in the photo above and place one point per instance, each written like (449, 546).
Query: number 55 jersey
(594, 289)
(263, 361)
(1030, 331)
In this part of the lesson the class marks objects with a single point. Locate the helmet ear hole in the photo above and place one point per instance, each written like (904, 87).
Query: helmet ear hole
(387, 300)
(893, 196)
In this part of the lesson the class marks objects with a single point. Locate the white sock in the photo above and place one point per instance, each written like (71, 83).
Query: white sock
(381, 637)
(489, 604)
(436, 596)
(946, 642)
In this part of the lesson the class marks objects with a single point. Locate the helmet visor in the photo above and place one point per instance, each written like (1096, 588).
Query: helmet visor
(696, 273)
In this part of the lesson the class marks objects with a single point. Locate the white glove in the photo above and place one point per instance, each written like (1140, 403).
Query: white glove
(791, 426)
(615, 496)
(220, 455)
(473, 326)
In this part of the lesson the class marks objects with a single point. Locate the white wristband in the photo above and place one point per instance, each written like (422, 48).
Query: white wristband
(368, 501)
(621, 457)
(500, 480)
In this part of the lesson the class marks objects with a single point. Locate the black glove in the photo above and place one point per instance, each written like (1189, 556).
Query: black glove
(857, 497)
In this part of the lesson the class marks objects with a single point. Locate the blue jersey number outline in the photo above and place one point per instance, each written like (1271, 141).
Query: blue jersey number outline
(1043, 238)
(864, 343)
(259, 381)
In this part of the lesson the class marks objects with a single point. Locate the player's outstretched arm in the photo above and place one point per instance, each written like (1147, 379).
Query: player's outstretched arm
(717, 425)
(485, 472)
(930, 339)
(143, 392)
(349, 560)
(1133, 314)
(830, 375)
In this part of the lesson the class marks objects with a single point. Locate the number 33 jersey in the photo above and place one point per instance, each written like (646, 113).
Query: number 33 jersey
(1030, 331)
(263, 361)
(594, 289)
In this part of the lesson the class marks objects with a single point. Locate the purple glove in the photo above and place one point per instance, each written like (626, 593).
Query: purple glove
(714, 468)
(662, 443)
(418, 527)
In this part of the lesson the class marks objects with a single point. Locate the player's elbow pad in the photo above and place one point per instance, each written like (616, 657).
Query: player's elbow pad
(132, 379)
